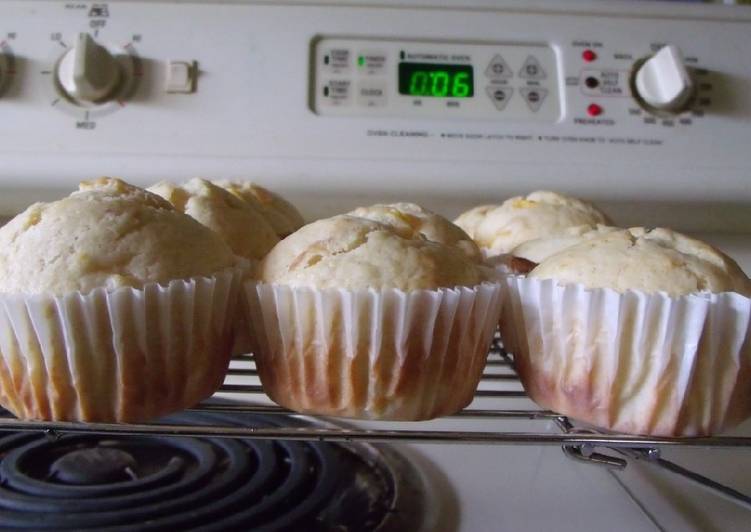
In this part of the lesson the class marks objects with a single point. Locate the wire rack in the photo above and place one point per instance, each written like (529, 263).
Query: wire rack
(580, 443)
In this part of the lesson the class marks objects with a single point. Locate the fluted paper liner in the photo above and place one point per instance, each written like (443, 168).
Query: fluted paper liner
(633, 362)
(119, 356)
(374, 354)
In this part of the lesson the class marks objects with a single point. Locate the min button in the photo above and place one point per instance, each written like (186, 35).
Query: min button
(534, 97)
(531, 69)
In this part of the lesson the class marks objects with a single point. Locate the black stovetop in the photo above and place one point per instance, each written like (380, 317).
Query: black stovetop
(89, 481)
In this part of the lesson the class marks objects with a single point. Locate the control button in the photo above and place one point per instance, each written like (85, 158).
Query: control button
(594, 110)
(372, 63)
(88, 72)
(589, 55)
(181, 77)
(498, 69)
(663, 82)
(500, 96)
(591, 82)
(370, 94)
(531, 69)
(337, 59)
(338, 91)
(534, 97)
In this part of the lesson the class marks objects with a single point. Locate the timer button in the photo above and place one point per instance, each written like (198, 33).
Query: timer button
(371, 62)
(498, 69)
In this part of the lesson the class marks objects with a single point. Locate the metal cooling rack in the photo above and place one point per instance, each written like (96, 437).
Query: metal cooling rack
(579, 443)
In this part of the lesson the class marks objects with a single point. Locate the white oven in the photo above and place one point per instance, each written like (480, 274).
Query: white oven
(643, 107)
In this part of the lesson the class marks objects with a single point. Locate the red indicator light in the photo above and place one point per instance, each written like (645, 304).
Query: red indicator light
(594, 110)
(589, 55)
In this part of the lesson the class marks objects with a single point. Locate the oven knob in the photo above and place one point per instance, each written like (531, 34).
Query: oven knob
(88, 73)
(663, 83)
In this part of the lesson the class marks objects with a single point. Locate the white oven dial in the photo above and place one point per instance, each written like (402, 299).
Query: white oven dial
(88, 72)
(663, 83)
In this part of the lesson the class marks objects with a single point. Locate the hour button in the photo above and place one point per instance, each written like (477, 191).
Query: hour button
(499, 96)
(498, 69)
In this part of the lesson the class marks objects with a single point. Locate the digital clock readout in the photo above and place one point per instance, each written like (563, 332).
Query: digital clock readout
(436, 81)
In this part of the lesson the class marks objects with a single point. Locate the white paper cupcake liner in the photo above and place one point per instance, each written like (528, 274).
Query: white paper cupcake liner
(633, 362)
(119, 356)
(385, 354)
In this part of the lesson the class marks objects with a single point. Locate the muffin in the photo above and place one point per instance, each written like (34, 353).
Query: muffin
(355, 319)
(638, 331)
(538, 249)
(411, 218)
(283, 217)
(499, 229)
(116, 307)
(241, 225)
(469, 220)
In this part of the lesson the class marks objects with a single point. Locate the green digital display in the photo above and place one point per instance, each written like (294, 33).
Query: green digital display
(436, 81)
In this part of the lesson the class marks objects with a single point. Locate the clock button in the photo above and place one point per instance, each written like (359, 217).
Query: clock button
(371, 94)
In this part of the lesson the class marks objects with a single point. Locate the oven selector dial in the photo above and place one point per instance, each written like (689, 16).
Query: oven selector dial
(88, 72)
(663, 83)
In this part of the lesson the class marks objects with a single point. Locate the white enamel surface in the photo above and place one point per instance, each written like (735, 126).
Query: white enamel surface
(252, 115)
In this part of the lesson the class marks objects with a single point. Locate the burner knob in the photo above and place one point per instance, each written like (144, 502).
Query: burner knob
(88, 73)
(663, 82)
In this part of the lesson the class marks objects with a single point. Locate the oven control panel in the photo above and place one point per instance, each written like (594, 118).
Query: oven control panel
(646, 101)
(518, 82)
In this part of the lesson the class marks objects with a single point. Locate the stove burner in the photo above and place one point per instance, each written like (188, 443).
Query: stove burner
(97, 482)
(93, 466)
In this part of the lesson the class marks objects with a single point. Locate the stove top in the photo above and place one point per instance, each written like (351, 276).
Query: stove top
(155, 483)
